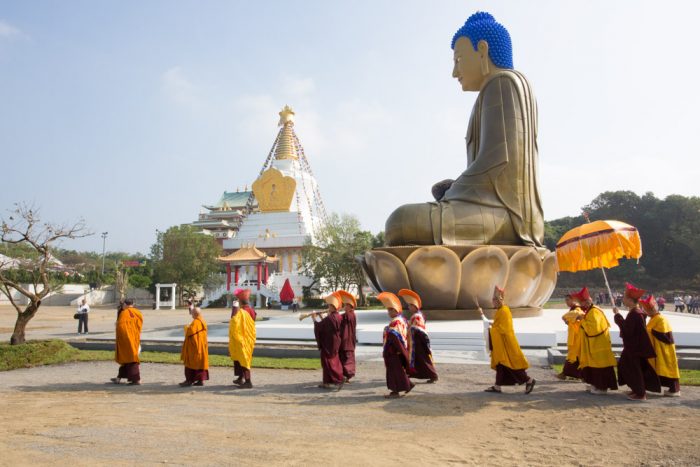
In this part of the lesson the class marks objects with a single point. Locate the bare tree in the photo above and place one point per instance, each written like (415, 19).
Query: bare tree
(34, 238)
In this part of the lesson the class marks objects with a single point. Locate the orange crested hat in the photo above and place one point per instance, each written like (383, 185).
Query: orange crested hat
(410, 297)
(633, 292)
(649, 303)
(242, 294)
(390, 300)
(347, 298)
(334, 299)
(582, 294)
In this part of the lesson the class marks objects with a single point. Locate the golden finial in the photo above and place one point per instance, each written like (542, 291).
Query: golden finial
(286, 116)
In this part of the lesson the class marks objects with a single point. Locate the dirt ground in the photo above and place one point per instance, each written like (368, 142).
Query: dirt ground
(69, 415)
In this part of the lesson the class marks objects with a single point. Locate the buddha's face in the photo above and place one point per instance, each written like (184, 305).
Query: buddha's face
(467, 64)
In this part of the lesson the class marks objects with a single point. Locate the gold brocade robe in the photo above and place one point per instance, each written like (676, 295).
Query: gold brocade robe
(505, 348)
(573, 341)
(241, 338)
(195, 348)
(666, 361)
(596, 348)
(128, 336)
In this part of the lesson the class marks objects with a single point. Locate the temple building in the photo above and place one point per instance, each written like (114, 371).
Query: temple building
(263, 230)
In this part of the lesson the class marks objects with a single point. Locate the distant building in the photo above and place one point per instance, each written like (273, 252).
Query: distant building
(264, 229)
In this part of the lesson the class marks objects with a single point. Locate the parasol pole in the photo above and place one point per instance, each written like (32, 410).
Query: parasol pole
(605, 276)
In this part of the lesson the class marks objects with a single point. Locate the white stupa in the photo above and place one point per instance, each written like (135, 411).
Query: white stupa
(283, 212)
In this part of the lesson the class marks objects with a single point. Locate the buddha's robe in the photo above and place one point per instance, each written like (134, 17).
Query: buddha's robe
(327, 333)
(395, 353)
(633, 368)
(666, 362)
(506, 356)
(241, 341)
(596, 360)
(128, 341)
(348, 340)
(420, 354)
(496, 200)
(573, 342)
(195, 351)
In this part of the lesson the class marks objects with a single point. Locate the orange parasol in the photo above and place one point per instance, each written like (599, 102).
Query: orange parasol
(598, 244)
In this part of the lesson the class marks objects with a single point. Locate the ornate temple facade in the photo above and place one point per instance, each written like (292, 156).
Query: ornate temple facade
(263, 230)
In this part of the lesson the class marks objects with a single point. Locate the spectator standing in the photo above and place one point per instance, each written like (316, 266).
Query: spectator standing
(83, 310)
(687, 300)
(678, 303)
(661, 303)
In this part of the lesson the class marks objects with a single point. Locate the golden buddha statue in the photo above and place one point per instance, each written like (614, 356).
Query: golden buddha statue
(496, 200)
(485, 228)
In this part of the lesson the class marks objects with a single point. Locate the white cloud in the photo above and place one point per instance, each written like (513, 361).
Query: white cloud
(179, 89)
(7, 30)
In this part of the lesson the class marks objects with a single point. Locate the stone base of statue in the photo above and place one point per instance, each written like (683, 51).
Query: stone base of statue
(453, 281)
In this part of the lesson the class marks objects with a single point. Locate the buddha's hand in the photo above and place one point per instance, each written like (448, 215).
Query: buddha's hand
(441, 187)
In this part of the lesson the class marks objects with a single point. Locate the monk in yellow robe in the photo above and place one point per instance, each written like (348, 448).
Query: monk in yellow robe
(666, 362)
(128, 343)
(195, 350)
(241, 339)
(506, 356)
(596, 360)
(573, 341)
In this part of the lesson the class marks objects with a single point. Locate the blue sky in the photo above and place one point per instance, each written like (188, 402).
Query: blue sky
(133, 114)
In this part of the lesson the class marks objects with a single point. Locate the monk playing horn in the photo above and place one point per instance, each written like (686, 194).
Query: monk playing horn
(395, 347)
(327, 332)
(633, 368)
(506, 357)
(241, 335)
(666, 362)
(348, 335)
(195, 350)
(420, 355)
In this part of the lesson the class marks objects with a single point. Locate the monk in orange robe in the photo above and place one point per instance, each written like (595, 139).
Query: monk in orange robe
(506, 356)
(195, 350)
(128, 343)
(666, 361)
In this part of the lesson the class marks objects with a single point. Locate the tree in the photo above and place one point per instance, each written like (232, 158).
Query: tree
(32, 240)
(331, 260)
(186, 257)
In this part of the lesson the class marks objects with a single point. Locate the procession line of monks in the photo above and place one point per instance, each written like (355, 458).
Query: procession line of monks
(648, 360)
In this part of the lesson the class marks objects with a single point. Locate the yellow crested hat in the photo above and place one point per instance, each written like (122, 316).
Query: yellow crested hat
(347, 298)
(334, 299)
(410, 297)
(390, 300)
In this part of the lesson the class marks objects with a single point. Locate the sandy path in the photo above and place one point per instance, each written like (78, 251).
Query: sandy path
(67, 415)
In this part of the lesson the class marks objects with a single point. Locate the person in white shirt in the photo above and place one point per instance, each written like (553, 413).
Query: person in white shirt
(82, 312)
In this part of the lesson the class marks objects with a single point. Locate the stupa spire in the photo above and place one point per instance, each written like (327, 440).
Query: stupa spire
(285, 143)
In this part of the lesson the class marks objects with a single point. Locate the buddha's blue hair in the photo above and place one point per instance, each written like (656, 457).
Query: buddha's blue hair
(482, 25)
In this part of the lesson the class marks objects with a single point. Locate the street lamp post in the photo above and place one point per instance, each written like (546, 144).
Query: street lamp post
(104, 239)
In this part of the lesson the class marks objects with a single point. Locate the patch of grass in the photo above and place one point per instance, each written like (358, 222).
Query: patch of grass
(688, 377)
(36, 353)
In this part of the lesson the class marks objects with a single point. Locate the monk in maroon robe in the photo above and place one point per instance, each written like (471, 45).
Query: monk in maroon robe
(327, 332)
(395, 352)
(348, 335)
(633, 368)
(420, 355)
